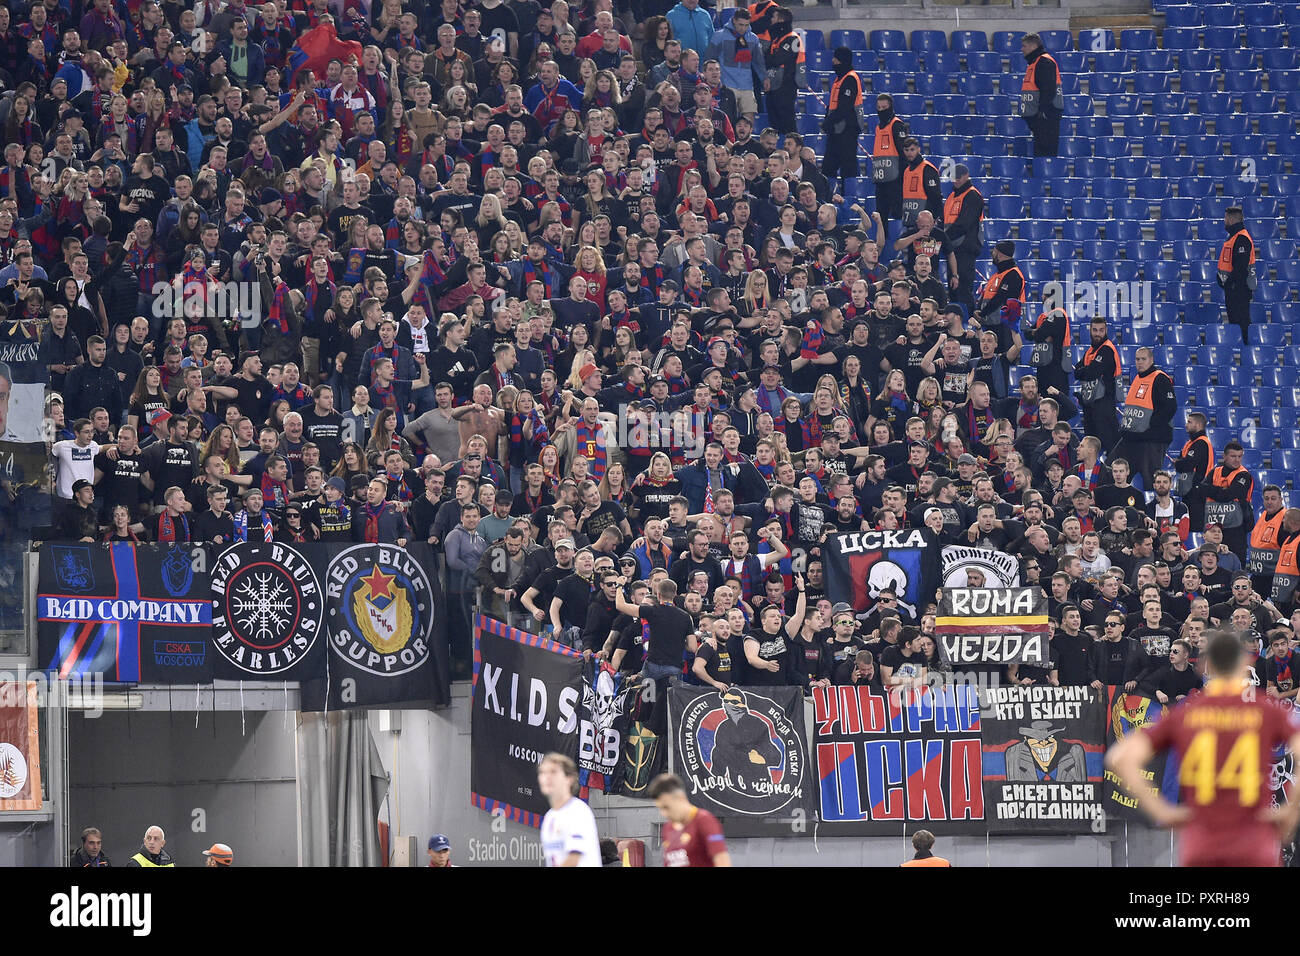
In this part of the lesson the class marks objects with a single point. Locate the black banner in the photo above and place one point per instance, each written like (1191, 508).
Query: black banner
(741, 751)
(525, 703)
(905, 760)
(862, 565)
(1043, 751)
(386, 630)
(129, 613)
(607, 695)
(184, 614)
(1126, 713)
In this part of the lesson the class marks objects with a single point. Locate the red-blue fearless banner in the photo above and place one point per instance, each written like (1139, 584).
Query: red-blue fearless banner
(899, 761)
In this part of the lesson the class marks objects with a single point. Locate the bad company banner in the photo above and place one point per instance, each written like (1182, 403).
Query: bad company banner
(1043, 749)
(20, 748)
(899, 761)
(253, 611)
(742, 750)
(862, 565)
(525, 701)
(992, 626)
(1126, 713)
(130, 613)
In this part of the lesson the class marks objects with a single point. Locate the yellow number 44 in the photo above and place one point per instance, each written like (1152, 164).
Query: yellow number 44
(1240, 770)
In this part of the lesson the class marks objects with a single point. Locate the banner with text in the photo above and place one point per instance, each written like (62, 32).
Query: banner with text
(992, 626)
(1043, 750)
(741, 751)
(900, 761)
(525, 703)
(1126, 713)
(860, 566)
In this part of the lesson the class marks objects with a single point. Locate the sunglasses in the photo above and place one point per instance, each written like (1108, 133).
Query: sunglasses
(1114, 623)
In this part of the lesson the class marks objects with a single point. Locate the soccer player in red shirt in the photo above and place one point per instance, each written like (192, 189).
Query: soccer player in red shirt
(1224, 738)
(691, 836)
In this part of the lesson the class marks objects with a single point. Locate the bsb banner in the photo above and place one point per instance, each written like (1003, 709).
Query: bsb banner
(607, 696)
(131, 613)
(525, 703)
(993, 626)
(20, 747)
(263, 611)
(1043, 750)
(1129, 712)
(741, 751)
(860, 566)
(899, 762)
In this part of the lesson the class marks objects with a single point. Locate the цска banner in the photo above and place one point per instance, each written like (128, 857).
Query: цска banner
(1043, 749)
(859, 566)
(525, 703)
(992, 626)
(902, 761)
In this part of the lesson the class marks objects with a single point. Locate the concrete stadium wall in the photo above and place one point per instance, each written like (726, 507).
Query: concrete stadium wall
(130, 770)
(428, 763)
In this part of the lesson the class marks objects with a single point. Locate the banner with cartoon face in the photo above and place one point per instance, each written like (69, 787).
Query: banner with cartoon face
(1126, 713)
(1043, 750)
(741, 751)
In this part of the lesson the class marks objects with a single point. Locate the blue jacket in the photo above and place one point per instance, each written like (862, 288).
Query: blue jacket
(694, 28)
(737, 75)
(256, 61)
(694, 483)
(194, 143)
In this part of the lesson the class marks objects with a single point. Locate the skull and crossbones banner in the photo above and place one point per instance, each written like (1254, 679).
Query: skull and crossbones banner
(861, 566)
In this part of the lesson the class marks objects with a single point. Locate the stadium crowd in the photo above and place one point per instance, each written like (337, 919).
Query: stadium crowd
(528, 285)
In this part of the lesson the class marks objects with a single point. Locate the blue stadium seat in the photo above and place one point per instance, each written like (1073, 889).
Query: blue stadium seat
(1199, 81)
(1045, 207)
(929, 41)
(880, 41)
(1079, 270)
(942, 62)
(1150, 189)
(1215, 103)
(1161, 271)
(1114, 61)
(814, 40)
(1204, 313)
(1189, 125)
(1280, 58)
(1226, 38)
(1169, 104)
(951, 104)
(984, 61)
(1198, 60)
(1284, 81)
(1289, 397)
(1100, 249)
(1287, 459)
(1139, 168)
(1096, 41)
(1123, 229)
(1110, 188)
(865, 61)
(1275, 124)
(1155, 147)
(1181, 38)
(1037, 271)
(1194, 376)
(1105, 84)
(1238, 60)
(904, 61)
(968, 41)
(1154, 61)
(1171, 230)
(1260, 15)
(1178, 166)
(1261, 396)
(1006, 207)
(1223, 335)
(1261, 38)
(1119, 270)
(1219, 15)
(1088, 167)
(1137, 39)
(975, 84)
(1140, 335)
(1007, 41)
(1037, 229)
(1189, 335)
(1242, 81)
(1080, 230)
(1213, 396)
(1182, 15)
(1075, 146)
(1273, 290)
(1288, 269)
(1130, 213)
(1235, 417)
(856, 40)
(1259, 103)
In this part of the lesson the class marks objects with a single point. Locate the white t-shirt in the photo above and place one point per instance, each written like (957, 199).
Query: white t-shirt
(74, 462)
(570, 829)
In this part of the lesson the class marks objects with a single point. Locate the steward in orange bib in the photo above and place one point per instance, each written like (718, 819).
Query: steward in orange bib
(1041, 102)
(762, 17)
(923, 844)
(785, 66)
(1098, 376)
(1286, 577)
(1000, 301)
(1050, 353)
(887, 160)
(1147, 423)
(920, 185)
(842, 124)
(1226, 493)
(1266, 541)
(1197, 457)
(963, 221)
(1237, 275)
